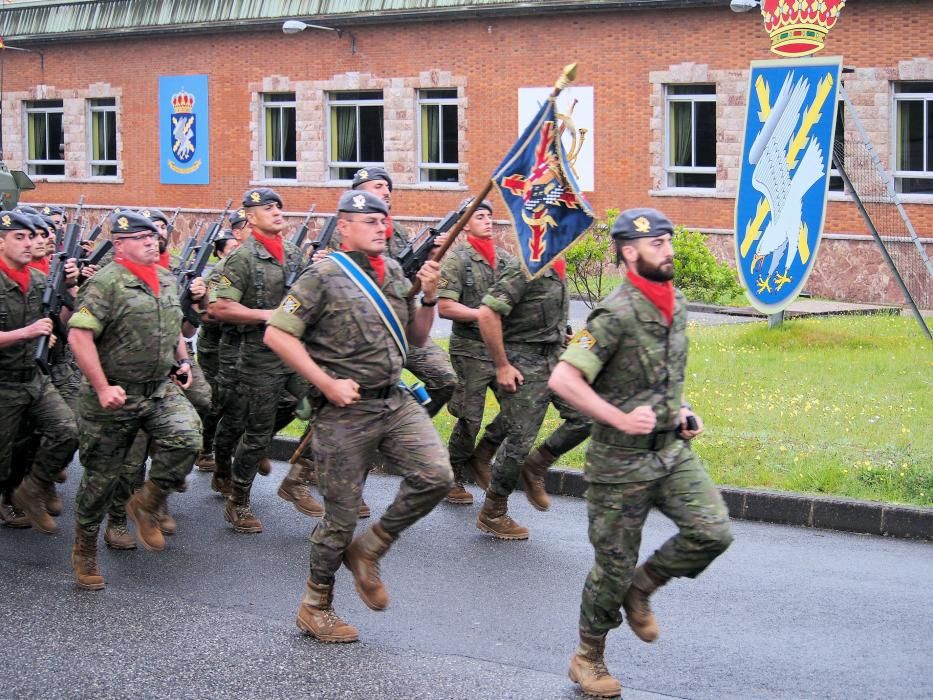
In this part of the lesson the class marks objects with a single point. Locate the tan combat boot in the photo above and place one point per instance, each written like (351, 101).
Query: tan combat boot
(636, 603)
(116, 536)
(494, 519)
(294, 489)
(220, 481)
(143, 509)
(365, 510)
(167, 524)
(480, 462)
(11, 516)
(362, 558)
(457, 494)
(588, 669)
(316, 616)
(238, 513)
(84, 560)
(533, 472)
(31, 498)
(205, 462)
(265, 466)
(307, 467)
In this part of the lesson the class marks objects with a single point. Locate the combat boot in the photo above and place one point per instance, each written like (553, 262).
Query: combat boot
(237, 512)
(143, 509)
(316, 616)
(205, 462)
(116, 536)
(307, 467)
(494, 519)
(265, 466)
(481, 461)
(365, 510)
(61, 477)
(11, 516)
(362, 558)
(220, 481)
(294, 489)
(167, 524)
(84, 560)
(30, 497)
(533, 472)
(53, 502)
(457, 494)
(645, 581)
(588, 669)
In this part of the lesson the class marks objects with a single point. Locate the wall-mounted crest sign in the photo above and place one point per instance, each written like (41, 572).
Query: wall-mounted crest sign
(184, 130)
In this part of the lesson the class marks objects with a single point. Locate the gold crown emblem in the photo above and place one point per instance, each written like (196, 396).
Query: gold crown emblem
(47, 211)
(145, 212)
(798, 27)
(123, 223)
(254, 196)
(241, 213)
(183, 102)
(6, 220)
(642, 225)
(362, 174)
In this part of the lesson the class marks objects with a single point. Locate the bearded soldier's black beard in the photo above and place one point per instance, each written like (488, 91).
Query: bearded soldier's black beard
(653, 273)
(163, 244)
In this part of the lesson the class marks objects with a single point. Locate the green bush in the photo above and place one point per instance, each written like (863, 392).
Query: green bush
(589, 262)
(698, 274)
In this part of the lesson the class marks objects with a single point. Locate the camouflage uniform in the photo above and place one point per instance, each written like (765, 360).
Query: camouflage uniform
(534, 315)
(254, 278)
(632, 358)
(28, 399)
(136, 335)
(466, 276)
(346, 337)
(209, 335)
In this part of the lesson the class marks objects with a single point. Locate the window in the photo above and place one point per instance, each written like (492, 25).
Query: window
(45, 144)
(914, 137)
(690, 141)
(103, 141)
(356, 132)
(279, 156)
(437, 143)
(839, 149)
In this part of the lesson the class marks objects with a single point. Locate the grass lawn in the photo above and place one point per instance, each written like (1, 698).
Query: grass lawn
(840, 406)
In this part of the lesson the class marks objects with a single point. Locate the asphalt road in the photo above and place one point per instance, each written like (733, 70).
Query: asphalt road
(785, 613)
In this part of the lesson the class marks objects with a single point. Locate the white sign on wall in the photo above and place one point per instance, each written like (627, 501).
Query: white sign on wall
(577, 104)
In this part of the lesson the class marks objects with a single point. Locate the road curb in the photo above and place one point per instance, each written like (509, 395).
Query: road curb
(820, 512)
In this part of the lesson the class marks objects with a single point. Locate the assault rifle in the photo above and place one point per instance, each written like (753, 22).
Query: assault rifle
(419, 249)
(170, 227)
(56, 295)
(299, 238)
(320, 243)
(186, 275)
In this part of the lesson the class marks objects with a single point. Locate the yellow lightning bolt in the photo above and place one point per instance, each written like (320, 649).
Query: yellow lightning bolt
(810, 117)
(753, 230)
(764, 98)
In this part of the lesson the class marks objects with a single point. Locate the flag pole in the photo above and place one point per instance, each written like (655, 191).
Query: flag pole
(567, 76)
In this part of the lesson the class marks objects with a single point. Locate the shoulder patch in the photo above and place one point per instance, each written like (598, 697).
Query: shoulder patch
(584, 339)
(85, 311)
(290, 304)
(444, 283)
(224, 281)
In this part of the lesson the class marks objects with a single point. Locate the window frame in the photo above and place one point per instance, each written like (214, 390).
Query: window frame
(670, 170)
(926, 98)
(265, 105)
(96, 105)
(31, 107)
(424, 99)
(334, 166)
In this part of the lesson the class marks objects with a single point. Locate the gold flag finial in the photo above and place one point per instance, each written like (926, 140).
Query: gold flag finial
(568, 75)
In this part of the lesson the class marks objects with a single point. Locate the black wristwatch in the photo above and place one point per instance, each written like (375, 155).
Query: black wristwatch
(429, 303)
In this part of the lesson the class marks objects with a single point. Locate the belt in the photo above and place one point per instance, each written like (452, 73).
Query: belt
(140, 388)
(17, 375)
(544, 349)
(655, 441)
(382, 393)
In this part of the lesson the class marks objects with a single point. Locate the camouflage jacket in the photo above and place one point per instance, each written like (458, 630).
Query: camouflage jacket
(251, 276)
(633, 358)
(18, 311)
(533, 311)
(135, 332)
(341, 328)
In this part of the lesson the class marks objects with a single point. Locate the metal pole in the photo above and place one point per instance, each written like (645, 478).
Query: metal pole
(775, 320)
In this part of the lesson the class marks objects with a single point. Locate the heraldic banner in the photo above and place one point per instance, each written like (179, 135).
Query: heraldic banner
(184, 130)
(787, 154)
(535, 180)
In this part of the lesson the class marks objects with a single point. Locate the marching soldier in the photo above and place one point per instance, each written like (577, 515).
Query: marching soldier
(126, 336)
(345, 326)
(28, 400)
(626, 371)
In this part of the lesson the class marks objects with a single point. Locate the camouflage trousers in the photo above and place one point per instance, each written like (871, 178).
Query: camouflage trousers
(430, 364)
(344, 441)
(467, 405)
(66, 376)
(617, 514)
(35, 406)
(521, 415)
(209, 363)
(106, 436)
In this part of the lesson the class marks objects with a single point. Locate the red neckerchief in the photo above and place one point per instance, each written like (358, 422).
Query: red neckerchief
(661, 294)
(21, 277)
(43, 265)
(148, 274)
(485, 247)
(389, 226)
(560, 267)
(165, 259)
(379, 266)
(273, 244)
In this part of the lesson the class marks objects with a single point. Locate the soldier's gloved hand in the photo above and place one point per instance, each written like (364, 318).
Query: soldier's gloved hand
(640, 421)
(111, 397)
(684, 431)
(509, 378)
(71, 272)
(41, 327)
(342, 392)
(198, 289)
(430, 276)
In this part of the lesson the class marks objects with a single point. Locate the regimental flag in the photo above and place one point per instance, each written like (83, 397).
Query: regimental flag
(536, 183)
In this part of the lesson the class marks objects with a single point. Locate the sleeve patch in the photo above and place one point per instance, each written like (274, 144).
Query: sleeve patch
(224, 281)
(584, 339)
(84, 311)
(290, 304)
(443, 283)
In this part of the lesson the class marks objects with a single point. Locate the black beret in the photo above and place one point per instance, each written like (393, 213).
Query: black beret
(26, 209)
(52, 210)
(641, 223)
(237, 217)
(43, 222)
(485, 204)
(361, 203)
(128, 221)
(374, 173)
(221, 241)
(260, 196)
(16, 221)
(154, 214)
